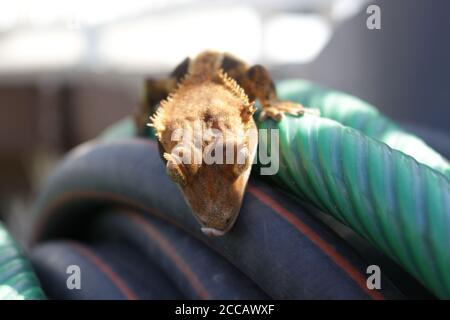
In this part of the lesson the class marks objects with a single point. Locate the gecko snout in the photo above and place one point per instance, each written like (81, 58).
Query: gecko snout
(214, 232)
(216, 225)
(211, 232)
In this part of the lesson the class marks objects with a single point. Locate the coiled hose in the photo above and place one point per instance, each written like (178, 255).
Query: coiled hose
(387, 185)
(358, 166)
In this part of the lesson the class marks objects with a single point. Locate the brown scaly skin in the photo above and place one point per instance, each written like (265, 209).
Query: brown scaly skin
(216, 90)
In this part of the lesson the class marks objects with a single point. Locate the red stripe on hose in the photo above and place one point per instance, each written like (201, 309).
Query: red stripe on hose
(172, 253)
(328, 249)
(109, 273)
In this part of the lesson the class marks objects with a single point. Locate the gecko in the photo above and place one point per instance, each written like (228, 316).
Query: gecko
(213, 92)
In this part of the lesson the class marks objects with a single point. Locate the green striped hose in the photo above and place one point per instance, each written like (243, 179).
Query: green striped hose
(385, 184)
(361, 168)
(358, 114)
(17, 279)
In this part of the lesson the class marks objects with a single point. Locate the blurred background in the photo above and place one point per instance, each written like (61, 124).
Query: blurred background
(70, 69)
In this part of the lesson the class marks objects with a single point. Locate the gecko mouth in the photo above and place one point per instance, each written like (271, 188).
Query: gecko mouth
(211, 232)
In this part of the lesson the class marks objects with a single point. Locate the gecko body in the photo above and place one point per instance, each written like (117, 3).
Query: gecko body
(210, 100)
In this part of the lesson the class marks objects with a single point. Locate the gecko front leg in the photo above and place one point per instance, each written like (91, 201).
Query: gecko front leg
(259, 84)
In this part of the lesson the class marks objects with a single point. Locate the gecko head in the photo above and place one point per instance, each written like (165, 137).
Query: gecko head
(206, 113)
